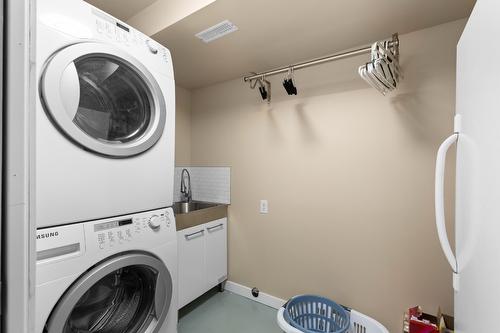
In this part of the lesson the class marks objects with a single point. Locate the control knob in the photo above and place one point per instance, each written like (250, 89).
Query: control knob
(152, 47)
(154, 222)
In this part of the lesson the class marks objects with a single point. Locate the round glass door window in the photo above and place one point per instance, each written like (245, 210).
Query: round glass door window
(121, 302)
(130, 293)
(114, 101)
(103, 99)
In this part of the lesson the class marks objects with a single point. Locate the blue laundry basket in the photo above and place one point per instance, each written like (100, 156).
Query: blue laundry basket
(313, 314)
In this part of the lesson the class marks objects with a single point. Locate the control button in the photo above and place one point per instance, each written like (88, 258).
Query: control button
(129, 233)
(154, 222)
(152, 47)
(137, 38)
(100, 26)
(165, 55)
(101, 240)
(111, 237)
(137, 224)
(110, 30)
(120, 235)
(134, 38)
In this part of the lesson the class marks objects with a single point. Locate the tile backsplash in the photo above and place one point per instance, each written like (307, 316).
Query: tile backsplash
(210, 184)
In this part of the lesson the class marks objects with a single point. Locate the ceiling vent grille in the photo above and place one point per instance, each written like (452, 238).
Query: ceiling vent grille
(217, 31)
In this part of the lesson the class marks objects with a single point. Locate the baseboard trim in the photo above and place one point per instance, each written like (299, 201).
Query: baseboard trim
(246, 292)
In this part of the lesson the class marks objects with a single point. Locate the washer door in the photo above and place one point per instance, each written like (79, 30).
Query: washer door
(103, 99)
(125, 294)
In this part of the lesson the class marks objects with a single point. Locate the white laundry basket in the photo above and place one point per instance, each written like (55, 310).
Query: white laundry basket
(360, 323)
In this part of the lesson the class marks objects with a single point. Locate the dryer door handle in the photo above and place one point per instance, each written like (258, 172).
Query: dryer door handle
(70, 90)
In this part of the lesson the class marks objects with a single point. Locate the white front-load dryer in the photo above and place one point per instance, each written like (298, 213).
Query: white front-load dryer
(105, 114)
(116, 275)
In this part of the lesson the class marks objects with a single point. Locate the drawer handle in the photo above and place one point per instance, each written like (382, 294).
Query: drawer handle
(195, 234)
(58, 251)
(215, 227)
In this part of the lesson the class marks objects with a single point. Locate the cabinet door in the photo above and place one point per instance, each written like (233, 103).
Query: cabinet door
(216, 252)
(192, 271)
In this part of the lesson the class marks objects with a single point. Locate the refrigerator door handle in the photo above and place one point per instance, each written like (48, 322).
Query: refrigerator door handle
(439, 201)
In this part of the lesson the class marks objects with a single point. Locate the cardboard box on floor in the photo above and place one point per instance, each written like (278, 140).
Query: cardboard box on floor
(416, 321)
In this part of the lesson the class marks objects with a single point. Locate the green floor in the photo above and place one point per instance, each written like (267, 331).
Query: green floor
(225, 312)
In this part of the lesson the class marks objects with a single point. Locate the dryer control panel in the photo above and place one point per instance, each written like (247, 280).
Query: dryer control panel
(113, 29)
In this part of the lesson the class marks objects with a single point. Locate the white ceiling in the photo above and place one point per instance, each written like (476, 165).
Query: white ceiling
(280, 32)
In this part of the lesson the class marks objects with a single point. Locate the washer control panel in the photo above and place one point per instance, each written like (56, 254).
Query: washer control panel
(111, 233)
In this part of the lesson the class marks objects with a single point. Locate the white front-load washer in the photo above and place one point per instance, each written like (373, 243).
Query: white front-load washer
(116, 275)
(105, 114)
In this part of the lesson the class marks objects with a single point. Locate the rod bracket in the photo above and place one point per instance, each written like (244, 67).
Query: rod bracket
(395, 44)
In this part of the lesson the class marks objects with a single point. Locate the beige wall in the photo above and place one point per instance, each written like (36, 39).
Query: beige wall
(349, 178)
(182, 126)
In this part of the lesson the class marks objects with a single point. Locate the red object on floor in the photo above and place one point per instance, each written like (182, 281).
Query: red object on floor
(419, 327)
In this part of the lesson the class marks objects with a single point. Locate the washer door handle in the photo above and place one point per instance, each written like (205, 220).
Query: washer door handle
(160, 295)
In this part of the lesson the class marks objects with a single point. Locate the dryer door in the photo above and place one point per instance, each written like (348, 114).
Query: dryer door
(130, 293)
(103, 99)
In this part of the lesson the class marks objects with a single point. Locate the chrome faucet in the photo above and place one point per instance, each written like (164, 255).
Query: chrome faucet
(186, 189)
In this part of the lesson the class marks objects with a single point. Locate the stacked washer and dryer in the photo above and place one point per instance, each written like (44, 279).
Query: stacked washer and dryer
(102, 175)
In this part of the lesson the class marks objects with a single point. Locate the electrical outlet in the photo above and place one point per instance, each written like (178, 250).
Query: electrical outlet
(264, 207)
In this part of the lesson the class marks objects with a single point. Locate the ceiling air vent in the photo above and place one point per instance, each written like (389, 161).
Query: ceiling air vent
(217, 31)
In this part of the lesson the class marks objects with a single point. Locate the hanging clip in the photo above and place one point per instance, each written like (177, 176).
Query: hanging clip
(266, 90)
(288, 82)
(264, 87)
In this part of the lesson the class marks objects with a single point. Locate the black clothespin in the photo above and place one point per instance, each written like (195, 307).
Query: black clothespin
(288, 83)
(263, 92)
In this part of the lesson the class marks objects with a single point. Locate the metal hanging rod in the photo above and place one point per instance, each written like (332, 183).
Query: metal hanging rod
(319, 61)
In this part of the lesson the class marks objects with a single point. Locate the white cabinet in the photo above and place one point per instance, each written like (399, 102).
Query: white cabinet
(216, 252)
(202, 259)
(192, 272)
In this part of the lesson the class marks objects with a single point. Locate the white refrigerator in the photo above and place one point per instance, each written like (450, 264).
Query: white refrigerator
(476, 260)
